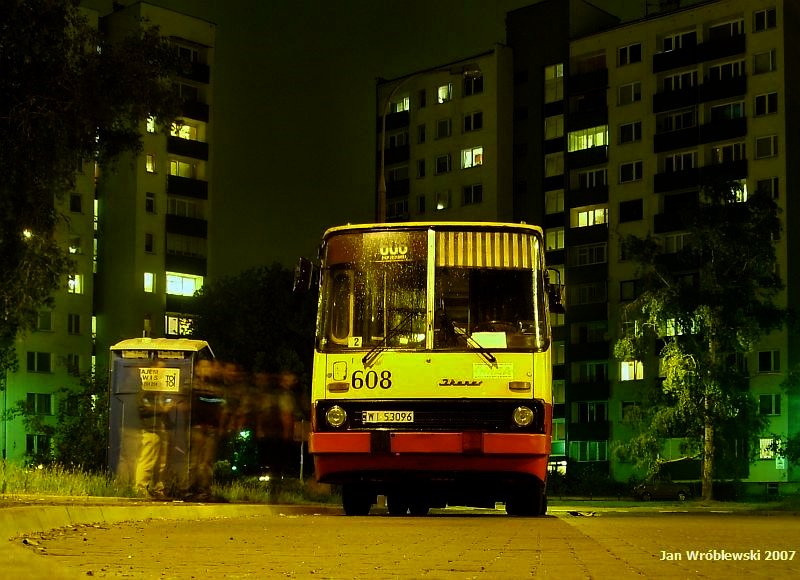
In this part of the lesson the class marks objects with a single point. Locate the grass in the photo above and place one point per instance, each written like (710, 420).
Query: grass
(55, 480)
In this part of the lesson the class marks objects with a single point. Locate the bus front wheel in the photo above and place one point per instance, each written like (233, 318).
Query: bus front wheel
(356, 499)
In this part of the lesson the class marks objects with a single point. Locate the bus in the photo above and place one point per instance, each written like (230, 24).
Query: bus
(431, 382)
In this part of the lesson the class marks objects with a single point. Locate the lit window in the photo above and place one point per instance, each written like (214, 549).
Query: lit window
(471, 157)
(587, 138)
(554, 83)
(581, 217)
(184, 131)
(151, 124)
(554, 164)
(400, 105)
(444, 93)
(183, 284)
(181, 168)
(768, 447)
(150, 163)
(75, 245)
(554, 239)
(554, 127)
(554, 201)
(149, 282)
(631, 370)
(75, 284)
(178, 325)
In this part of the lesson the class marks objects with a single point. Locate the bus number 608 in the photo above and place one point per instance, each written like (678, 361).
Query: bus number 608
(371, 379)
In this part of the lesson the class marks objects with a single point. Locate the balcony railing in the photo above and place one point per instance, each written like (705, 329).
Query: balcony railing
(186, 186)
(187, 148)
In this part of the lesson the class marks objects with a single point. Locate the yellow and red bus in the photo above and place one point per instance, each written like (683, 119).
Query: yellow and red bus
(432, 378)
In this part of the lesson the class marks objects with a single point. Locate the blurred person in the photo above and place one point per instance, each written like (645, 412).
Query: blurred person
(206, 420)
(156, 421)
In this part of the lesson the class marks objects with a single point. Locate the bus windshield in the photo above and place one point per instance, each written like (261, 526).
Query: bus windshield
(488, 291)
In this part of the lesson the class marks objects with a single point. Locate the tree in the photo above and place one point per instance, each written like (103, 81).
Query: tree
(705, 305)
(79, 434)
(66, 94)
(254, 319)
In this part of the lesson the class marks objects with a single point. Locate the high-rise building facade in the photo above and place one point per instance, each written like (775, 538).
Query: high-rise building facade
(615, 132)
(444, 141)
(137, 234)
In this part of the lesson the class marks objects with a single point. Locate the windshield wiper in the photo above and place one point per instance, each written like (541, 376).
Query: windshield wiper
(458, 332)
(378, 348)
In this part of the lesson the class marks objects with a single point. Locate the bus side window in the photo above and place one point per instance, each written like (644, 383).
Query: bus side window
(342, 307)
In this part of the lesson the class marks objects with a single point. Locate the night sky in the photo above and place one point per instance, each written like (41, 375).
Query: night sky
(294, 108)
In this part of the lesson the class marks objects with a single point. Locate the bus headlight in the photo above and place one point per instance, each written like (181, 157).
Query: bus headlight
(336, 416)
(522, 416)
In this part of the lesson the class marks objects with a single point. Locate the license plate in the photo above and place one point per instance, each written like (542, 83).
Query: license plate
(387, 416)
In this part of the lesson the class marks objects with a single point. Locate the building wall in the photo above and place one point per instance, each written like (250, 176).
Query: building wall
(598, 91)
(436, 194)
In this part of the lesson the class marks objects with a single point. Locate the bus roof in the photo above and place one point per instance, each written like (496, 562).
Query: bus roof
(432, 225)
(184, 344)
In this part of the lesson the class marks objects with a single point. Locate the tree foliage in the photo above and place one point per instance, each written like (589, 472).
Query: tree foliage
(702, 308)
(254, 319)
(66, 94)
(79, 432)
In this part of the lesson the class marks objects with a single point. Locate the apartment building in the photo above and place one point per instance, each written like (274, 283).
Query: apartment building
(444, 141)
(615, 131)
(137, 233)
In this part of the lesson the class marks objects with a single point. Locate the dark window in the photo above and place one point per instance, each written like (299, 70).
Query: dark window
(630, 210)
(75, 203)
(769, 404)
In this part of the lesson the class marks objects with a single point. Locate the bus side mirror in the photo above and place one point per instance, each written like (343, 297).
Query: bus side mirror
(303, 275)
(554, 292)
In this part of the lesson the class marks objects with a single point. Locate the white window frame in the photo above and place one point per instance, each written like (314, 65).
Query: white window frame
(587, 138)
(443, 164)
(766, 147)
(628, 54)
(471, 157)
(765, 19)
(772, 62)
(629, 93)
(553, 201)
(636, 171)
(635, 130)
(444, 93)
(179, 284)
(631, 370)
(554, 238)
(767, 103)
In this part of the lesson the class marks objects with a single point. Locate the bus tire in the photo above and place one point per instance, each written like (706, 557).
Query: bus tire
(356, 500)
(418, 507)
(397, 504)
(530, 504)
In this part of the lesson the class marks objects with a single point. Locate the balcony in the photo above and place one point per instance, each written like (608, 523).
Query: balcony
(587, 312)
(587, 157)
(395, 121)
(587, 235)
(586, 274)
(592, 431)
(589, 118)
(596, 390)
(187, 148)
(185, 304)
(186, 186)
(669, 100)
(397, 188)
(588, 81)
(712, 90)
(196, 265)
(722, 172)
(588, 196)
(588, 351)
(678, 58)
(396, 154)
(723, 130)
(669, 222)
(197, 71)
(679, 139)
(195, 110)
(721, 48)
(186, 226)
(669, 181)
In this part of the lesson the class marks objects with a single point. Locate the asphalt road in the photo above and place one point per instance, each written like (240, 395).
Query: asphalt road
(447, 544)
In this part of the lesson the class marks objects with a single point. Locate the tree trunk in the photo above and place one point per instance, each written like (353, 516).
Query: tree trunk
(708, 455)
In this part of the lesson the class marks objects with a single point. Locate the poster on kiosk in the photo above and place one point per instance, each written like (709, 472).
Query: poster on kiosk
(150, 414)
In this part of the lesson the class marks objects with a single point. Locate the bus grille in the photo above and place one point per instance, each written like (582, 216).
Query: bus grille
(439, 415)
